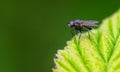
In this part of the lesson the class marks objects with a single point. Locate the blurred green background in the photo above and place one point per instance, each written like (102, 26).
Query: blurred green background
(32, 31)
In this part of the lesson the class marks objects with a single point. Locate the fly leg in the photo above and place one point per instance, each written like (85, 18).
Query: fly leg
(80, 33)
(74, 32)
(89, 33)
(88, 29)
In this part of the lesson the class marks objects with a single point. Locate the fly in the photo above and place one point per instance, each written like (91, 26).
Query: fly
(82, 25)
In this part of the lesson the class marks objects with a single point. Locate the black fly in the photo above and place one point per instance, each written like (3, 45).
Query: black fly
(81, 25)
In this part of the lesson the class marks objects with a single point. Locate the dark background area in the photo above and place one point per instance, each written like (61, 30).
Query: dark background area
(32, 31)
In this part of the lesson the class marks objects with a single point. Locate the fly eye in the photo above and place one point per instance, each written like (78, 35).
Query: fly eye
(71, 24)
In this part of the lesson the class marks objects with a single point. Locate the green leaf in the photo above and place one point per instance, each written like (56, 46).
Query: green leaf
(99, 53)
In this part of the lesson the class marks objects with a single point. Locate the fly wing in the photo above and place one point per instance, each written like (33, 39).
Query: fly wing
(90, 23)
